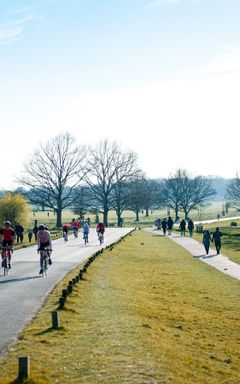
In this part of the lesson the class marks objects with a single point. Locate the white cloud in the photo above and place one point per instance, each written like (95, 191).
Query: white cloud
(13, 30)
(227, 62)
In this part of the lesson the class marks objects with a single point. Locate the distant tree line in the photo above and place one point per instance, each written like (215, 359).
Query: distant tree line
(103, 178)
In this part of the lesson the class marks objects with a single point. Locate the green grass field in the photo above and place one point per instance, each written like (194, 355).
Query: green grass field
(146, 312)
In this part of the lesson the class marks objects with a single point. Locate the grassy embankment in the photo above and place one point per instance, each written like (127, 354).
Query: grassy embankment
(146, 312)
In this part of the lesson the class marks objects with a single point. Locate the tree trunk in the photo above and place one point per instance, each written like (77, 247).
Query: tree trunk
(137, 215)
(118, 212)
(59, 218)
(147, 212)
(176, 214)
(105, 217)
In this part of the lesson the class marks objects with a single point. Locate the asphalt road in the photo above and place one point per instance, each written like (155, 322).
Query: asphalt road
(23, 291)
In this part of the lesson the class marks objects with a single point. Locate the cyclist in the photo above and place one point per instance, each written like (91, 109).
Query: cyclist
(75, 226)
(7, 238)
(85, 231)
(65, 229)
(44, 241)
(100, 228)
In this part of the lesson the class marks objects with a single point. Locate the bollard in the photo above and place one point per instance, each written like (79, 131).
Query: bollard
(77, 278)
(80, 275)
(64, 293)
(70, 288)
(61, 302)
(73, 281)
(23, 367)
(55, 322)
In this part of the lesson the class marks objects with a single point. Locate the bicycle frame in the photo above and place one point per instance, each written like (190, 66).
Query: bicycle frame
(44, 255)
(6, 257)
(100, 237)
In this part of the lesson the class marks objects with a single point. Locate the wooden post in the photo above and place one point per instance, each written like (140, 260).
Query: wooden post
(62, 302)
(64, 293)
(70, 288)
(23, 367)
(55, 321)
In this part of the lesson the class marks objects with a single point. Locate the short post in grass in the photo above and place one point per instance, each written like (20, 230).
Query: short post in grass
(70, 287)
(55, 320)
(62, 302)
(64, 293)
(23, 367)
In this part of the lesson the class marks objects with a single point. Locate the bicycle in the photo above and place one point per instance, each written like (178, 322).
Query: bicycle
(75, 233)
(100, 237)
(85, 237)
(44, 261)
(6, 258)
(65, 237)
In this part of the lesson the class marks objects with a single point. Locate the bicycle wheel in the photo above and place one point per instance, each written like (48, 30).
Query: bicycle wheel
(5, 265)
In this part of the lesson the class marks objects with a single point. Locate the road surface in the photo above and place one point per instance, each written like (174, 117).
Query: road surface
(23, 290)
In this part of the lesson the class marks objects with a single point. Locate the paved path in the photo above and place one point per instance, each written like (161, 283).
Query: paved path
(22, 292)
(220, 262)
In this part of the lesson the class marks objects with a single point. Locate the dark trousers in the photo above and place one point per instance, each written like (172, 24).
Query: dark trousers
(218, 246)
(19, 237)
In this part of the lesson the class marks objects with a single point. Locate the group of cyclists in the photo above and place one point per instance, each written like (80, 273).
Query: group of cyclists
(75, 226)
(44, 241)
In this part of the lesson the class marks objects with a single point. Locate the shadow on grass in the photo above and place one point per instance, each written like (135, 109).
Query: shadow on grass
(48, 330)
(23, 381)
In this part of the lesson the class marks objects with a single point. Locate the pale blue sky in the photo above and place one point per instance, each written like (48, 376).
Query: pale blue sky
(159, 76)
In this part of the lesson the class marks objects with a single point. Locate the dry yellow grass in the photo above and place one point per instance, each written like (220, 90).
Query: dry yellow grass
(147, 312)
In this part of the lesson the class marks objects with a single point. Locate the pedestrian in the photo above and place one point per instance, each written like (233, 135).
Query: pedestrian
(35, 231)
(190, 227)
(206, 240)
(217, 240)
(164, 225)
(159, 223)
(169, 225)
(30, 235)
(19, 232)
(182, 227)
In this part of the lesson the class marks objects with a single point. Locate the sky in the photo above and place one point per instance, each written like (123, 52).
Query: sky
(160, 77)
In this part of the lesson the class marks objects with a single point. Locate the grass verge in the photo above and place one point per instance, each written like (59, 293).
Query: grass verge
(146, 312)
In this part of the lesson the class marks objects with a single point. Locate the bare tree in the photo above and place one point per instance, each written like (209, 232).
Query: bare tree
(137, 195)
(52, 174)
(195, 192)
(108, 168)
(171, 191)
(233, 190)
(184, 193)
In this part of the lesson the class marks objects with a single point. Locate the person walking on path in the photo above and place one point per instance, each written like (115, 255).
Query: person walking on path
(169, 225)
(30, 235)
(206, 240)
(19, 232)
(182, 227)
(190, 227)
(217, 240)
(164, 226)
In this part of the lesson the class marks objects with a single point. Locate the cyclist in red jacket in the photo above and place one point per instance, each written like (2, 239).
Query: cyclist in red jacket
(7, 237)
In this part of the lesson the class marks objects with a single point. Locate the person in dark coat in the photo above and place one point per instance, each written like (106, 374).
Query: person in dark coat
(182, 227)
(206, 240)
(164, 225)
(169, 225)
(190, 227)
(217, 240)
(19, 232)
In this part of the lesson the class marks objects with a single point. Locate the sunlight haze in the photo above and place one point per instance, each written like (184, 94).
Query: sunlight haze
(160, 77)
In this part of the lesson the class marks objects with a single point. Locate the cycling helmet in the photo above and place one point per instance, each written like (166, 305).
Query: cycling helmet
(7, 223)
(41, 226)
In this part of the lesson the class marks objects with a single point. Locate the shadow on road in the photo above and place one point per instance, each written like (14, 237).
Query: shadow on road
(19, 279)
